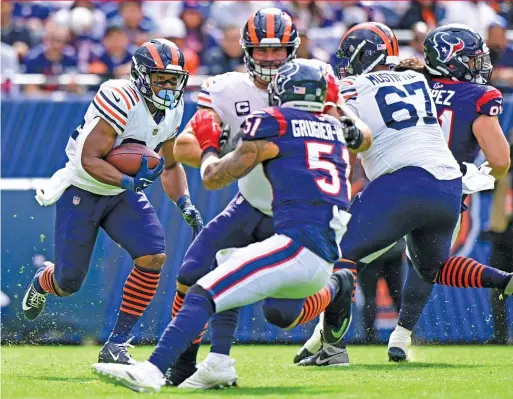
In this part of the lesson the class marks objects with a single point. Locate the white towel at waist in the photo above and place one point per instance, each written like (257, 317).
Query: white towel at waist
(53, 189)
(477, 179)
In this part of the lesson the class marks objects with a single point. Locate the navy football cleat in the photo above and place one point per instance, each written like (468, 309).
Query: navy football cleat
(179, 372)
(34, 300)
(116, 353)
(337, 316)
(399, 344)
(396, 355)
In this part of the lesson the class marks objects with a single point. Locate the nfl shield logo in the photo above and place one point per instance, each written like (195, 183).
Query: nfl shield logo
(155, 131)
(76, 200)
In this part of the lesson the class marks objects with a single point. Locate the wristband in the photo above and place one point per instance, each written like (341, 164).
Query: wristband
(205, 163)
(127, 182)
(208, 150)
(183, 200)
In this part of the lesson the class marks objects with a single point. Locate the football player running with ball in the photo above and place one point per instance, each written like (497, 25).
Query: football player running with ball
(91, 193)
(416, 183)
(305, 157)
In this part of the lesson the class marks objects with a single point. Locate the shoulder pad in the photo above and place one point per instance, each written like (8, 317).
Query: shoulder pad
(114, 101)
(218, 84)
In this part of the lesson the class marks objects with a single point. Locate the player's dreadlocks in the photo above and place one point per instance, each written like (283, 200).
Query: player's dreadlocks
(413, 64)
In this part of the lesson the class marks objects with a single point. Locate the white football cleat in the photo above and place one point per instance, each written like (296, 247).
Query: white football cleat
(314, 343)
(216, 371)
(140, 377)
(398, 344)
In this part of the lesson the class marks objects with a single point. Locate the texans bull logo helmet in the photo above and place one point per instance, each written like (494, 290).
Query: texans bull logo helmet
(459, 53)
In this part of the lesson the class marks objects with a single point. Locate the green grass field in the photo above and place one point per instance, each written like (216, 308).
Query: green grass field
(446, 372)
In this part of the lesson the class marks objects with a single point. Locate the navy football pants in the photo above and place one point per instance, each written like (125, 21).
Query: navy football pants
(237, 226)
(128, 218)
(409, 202)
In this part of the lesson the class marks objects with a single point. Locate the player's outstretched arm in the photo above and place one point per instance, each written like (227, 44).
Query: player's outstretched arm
(187, 149)
(96, 146)
(217, 173)
(492, 141)
(364, 129)
(174, 179)
(174, 182)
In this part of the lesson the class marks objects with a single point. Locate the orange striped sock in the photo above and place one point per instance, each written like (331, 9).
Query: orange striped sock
(138, 291)
(314, 305)
(459, 271)
(177, 305)
(197, 341)
(463, 272)
(46, 279)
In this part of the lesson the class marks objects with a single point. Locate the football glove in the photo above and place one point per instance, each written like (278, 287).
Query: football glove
(144, 177)
(353, 135)
(190, 214)
(207, 131)
(227, 143)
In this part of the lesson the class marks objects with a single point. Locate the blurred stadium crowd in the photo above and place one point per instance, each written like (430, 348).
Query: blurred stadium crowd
(93, 37)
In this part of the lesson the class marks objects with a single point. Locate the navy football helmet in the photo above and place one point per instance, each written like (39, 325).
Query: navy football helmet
(458, 52)
(299, 84)
(164, 57)
(365, 46)
(269, 27)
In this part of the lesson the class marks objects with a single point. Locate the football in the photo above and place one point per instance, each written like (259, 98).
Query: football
(127, 157)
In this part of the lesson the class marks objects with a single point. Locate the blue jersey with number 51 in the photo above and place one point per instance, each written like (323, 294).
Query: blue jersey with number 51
(458, 105)
(308, 177)
(399, 110)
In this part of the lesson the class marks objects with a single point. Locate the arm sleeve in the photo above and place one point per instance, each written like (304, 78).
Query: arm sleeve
(268, 124)
(490, 102)
(113, 105)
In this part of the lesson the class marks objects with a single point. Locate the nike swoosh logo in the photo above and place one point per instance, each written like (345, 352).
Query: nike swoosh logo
(323, 361)
(116, 98)
(337, 334)
(23, 303)
(114, 357)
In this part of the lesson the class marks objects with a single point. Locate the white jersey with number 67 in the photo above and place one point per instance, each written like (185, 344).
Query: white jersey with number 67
(398, 109)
